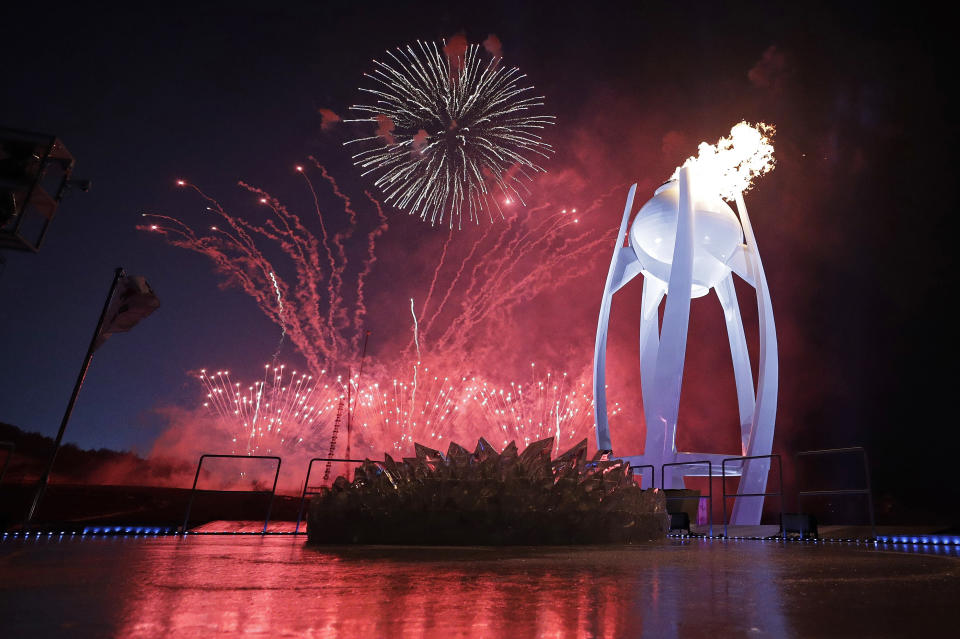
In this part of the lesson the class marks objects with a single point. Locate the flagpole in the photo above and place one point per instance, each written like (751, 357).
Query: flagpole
(45, 477)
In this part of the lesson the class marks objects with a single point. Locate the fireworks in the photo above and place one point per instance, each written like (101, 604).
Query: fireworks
(549, 406)
(437, 409)
(274, 413)
(279, 413)
(427, 408)
(307, 284)
(247, 253)
(321, 309)
(455, 136)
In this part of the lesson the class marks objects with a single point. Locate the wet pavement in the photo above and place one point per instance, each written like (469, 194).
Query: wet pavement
(279, 587)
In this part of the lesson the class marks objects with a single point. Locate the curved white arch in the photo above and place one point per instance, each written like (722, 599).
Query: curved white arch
(662, 353)
(615, 279)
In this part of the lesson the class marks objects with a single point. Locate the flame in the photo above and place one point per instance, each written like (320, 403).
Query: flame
(732, 164)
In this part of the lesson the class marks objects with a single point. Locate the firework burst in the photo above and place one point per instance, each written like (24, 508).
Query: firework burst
(275, 413)
(455, 137)
(296, 412)
(551, 405)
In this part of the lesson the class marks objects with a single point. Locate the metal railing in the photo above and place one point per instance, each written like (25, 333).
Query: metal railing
(723, 485)
(193, 490)
(653, 473)
(868, 491)
(306, 484)
(709, 496)
(10, 447)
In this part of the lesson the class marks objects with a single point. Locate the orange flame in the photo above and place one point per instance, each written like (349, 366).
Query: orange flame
(732, 164)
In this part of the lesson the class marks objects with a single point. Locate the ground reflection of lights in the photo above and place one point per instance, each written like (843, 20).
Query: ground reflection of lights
(156, 586)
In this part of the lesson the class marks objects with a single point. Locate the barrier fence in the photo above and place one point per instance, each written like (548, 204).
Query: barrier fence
(841, 491)
(271, 492)
(306, 484)
(723, 484)
(709, 496)
(653, 471)
(308, 491)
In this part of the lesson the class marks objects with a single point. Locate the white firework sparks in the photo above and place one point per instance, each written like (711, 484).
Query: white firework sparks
(273, 414)
(455, 138)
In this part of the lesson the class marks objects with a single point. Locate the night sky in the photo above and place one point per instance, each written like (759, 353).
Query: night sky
(853, 225)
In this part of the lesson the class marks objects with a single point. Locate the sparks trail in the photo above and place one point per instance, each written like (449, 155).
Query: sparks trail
(436, 273)
(283, 332)
(361, 309)
(335, 285)
(341, 236)
(456, 278)
(433, 285)
(240, 260)
(317, 264)
(454, 137)
(478, 287)
(301, 247)
(500, 285)
(525, 257)
(522, 262)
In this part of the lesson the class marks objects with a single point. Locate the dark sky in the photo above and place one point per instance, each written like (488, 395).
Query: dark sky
(854, 224)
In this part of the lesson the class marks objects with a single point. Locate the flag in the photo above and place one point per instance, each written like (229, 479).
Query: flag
(132, 301)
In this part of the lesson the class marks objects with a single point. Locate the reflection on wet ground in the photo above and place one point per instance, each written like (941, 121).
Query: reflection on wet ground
(277, 586)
